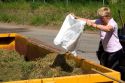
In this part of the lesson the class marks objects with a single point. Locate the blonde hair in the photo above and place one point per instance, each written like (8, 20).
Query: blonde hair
(104, 11)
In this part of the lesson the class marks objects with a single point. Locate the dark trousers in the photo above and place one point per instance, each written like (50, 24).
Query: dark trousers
(100, 51)
(115, 60)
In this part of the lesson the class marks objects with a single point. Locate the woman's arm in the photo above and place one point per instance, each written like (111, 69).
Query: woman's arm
(99, 26)
(104, 27)
(93, 24)
(84, 19)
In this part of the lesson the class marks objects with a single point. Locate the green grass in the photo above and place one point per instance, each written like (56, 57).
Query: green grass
(52, 14)
(14, 67)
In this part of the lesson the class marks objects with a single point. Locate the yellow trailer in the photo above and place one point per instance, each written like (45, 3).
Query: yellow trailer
(7, 41)
(32, 48)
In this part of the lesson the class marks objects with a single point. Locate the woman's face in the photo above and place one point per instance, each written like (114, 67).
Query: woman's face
(104, 19)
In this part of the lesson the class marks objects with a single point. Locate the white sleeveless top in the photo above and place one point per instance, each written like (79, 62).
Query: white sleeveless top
(110, 40)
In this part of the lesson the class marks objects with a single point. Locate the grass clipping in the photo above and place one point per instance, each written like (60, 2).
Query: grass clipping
(14, 66)
(54, 65)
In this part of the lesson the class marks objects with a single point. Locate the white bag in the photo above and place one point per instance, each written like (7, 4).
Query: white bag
(69, 33)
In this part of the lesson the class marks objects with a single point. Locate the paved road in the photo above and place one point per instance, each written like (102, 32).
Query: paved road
(87, 46)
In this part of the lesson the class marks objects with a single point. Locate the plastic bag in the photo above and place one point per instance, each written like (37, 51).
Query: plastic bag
(69, 33)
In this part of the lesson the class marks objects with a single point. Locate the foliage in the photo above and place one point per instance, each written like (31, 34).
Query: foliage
(53, 12)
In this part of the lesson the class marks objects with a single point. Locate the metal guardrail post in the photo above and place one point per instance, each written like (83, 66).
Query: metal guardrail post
(103, 2)
(67, 2)
(44, 1)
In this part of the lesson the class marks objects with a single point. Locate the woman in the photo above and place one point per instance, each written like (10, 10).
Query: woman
(111, 54)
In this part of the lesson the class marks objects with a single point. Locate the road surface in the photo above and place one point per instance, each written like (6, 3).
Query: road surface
(87, 46)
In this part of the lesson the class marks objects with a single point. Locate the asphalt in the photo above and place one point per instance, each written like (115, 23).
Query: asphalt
(87, 45)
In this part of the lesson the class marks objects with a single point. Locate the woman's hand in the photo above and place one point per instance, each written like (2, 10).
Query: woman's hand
(89, 23)
(76, 17)
(72, 14)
